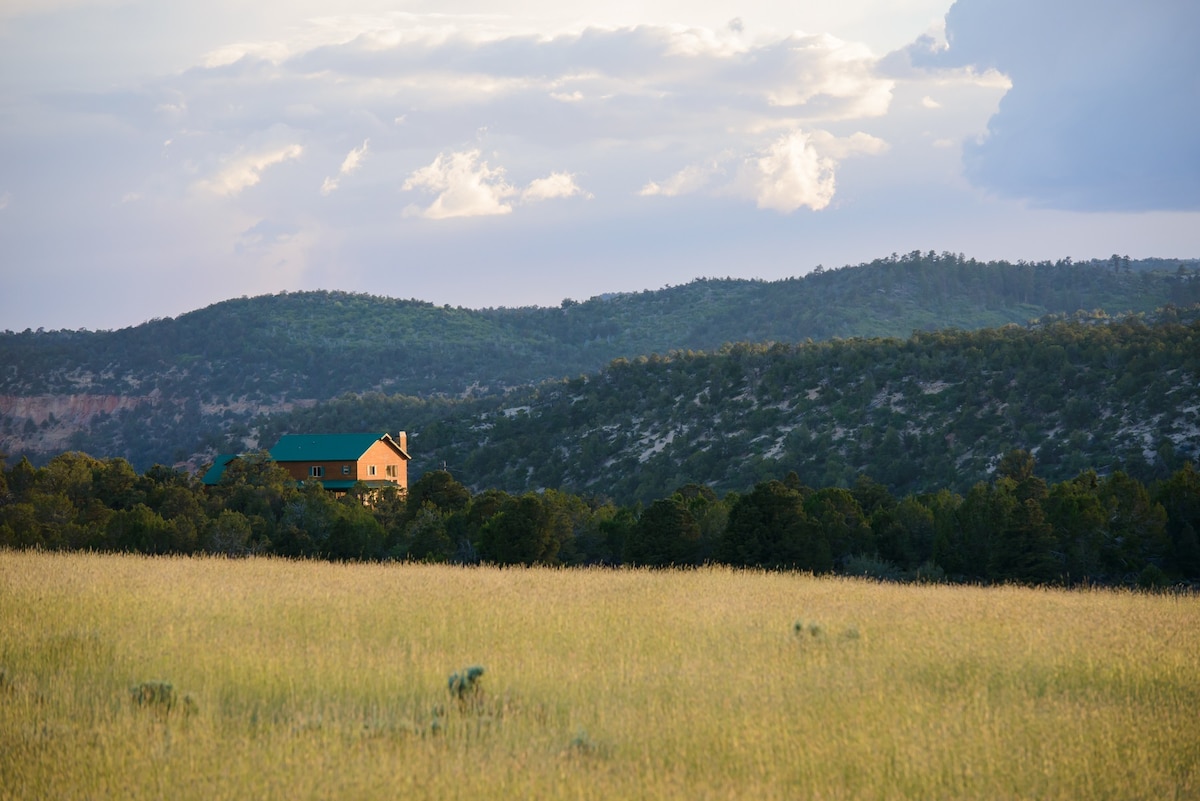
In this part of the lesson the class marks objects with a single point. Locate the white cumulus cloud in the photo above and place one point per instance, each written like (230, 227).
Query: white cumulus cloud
(555, 185)
(234, 52)
(690, 179)
(351, 163)
(789, 174)
(465, 187)
(246, 170)
(832, 79)
(796, 169)
(838, 148)
(468, 187)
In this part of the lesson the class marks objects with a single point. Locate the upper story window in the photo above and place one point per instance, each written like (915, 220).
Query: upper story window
(370, 470)
(345, 470)
(391, 471)
(316, 471)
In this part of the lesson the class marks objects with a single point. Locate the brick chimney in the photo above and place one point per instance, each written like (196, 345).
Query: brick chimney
(402, 441)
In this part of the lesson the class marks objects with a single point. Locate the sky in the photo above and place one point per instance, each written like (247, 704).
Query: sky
(158, 156)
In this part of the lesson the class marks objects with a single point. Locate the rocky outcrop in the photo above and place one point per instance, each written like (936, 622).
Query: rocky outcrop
(45, 423)
(74, 410)
(41, 426)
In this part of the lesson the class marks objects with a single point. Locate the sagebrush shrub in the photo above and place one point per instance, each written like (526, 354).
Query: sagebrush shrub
(465, 683)
(161, 697)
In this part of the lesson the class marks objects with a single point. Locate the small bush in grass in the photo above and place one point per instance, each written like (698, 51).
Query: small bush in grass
(929, 572)
(808, 630)
(464, 685)
(153, 694)
(435, 722)
(161, 697)
(872, 566)
(812, 631)
(1152, 578)
(582, 745)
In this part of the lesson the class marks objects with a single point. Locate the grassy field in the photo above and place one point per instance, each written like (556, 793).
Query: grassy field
(315, 680)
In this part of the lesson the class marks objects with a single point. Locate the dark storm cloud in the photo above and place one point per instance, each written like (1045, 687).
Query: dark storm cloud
(1105, 101)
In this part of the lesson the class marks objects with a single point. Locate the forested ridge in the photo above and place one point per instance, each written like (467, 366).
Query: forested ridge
(934, 410)
(173, 390)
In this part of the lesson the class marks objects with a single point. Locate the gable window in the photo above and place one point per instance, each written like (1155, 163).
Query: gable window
(370, 470)
(391, 471)
(316, 471)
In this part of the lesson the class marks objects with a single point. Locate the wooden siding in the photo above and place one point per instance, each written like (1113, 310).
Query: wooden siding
(382, 455)
(333, 470)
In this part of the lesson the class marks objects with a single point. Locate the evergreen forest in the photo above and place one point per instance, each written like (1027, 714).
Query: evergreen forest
(1090, 529)
(935, 410)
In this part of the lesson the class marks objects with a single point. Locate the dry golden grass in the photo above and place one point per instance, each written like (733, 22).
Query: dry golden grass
(314, 680)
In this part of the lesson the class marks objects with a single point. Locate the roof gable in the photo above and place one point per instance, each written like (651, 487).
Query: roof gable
(327, 447)
(213, 474)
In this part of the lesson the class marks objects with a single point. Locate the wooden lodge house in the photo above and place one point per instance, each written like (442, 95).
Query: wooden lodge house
(337, 461)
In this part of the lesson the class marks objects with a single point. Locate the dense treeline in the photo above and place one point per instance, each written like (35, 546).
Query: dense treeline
(200, 377)
(1108, 529)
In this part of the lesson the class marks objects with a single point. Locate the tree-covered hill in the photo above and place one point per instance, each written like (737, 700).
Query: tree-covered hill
(935, 410)
(171, 388)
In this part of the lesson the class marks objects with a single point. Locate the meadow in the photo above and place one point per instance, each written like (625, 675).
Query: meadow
(299, 680)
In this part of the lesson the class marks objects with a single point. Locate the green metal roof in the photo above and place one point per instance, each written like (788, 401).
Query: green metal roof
(323, 447)
(214, 473)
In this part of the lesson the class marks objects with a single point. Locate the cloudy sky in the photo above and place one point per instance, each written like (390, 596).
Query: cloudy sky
(157, 156)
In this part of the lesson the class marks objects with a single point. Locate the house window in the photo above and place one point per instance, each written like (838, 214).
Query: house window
(345, 470)
(391, 471)
(316, 471)
(370, 470)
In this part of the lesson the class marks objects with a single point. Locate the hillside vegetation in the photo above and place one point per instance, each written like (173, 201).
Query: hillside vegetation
(933, 411)
(170, 389)
(219, 679)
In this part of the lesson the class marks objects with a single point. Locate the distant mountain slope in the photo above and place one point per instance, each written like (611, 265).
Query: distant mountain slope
(935, 410)
(164, 390)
